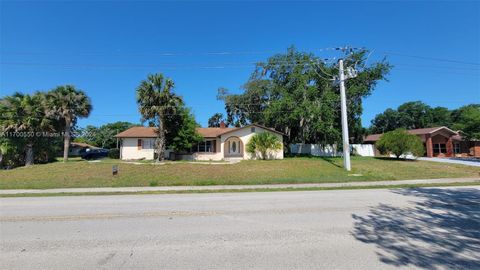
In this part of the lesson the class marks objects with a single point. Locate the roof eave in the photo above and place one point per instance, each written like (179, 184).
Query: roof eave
(257, 125)
(443, 127)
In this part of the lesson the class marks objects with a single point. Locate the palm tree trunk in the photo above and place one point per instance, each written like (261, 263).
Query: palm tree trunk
(264, 155)
(66, 140)
(161, 140)
(29, 155)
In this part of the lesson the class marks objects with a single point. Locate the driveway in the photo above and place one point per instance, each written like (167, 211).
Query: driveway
(344, 229)
(461, 161)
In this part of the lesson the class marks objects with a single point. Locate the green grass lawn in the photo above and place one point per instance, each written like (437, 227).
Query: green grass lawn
(79, 173)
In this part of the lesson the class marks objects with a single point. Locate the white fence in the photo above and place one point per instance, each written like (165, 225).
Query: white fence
(319, 150)
(364, 150)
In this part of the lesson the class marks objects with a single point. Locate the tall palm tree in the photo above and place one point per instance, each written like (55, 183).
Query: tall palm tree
(156, 101)
(67, 104)
(23, 116)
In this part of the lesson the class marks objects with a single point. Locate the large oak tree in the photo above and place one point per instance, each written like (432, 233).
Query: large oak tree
(294, 93)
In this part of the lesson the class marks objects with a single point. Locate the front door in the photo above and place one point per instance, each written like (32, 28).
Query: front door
(233, 148)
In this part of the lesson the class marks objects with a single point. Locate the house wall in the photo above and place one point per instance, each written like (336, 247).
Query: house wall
(129, 149)
(245, 134)
(474, 149)
(206, 156)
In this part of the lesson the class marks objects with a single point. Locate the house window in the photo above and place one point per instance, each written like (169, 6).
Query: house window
(139, 144)
(208, 146)
(148, 144)
(439, 148)
(201, 147)
(205, 146)
(252, 129)
(456, 148)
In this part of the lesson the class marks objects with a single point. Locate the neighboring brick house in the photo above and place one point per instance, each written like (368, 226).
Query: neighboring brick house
(440, 142)
(218, 143)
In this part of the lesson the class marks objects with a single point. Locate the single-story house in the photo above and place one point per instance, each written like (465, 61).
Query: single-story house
(440, 142)
(218, 143)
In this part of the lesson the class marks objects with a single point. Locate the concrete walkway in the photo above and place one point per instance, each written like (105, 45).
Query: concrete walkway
(240, 187)
(460, 161)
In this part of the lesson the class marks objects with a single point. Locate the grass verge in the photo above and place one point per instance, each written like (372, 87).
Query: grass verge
(82, 174)
(237, 190)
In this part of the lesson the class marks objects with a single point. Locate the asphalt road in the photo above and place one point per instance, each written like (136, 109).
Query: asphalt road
(434, 228)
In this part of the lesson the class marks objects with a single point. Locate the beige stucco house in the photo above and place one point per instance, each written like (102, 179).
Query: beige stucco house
(220, 143)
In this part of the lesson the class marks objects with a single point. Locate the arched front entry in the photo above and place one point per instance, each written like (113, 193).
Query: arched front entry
(233, 147)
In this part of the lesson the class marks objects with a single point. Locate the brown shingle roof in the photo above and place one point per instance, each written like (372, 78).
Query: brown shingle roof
(138, 132)
(418, 131)
(422, 131)
(149, 132)
(214, 132)
(372, 138)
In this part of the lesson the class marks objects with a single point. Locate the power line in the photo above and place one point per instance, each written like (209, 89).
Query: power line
(213, 53)
(433, 58)
(142, 66)
(438, 67)
(462, 71)
(226, 52)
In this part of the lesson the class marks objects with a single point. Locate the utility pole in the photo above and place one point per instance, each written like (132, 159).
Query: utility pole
(346, 145)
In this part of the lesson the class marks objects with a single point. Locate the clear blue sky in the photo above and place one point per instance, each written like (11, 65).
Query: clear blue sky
(106, 48)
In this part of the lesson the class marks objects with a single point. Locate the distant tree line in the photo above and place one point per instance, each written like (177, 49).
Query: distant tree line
(416, 114)
(102, 136)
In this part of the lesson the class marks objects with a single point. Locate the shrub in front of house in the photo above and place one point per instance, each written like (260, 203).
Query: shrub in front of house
(114, 153)
(399, 142)
(262, 143)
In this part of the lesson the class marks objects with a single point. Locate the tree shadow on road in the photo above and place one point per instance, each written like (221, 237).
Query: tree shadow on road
(441, 230)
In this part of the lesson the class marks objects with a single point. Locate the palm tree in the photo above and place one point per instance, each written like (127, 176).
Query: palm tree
(67, 104)
(4, 149)
(156, 101)
(23, 116)
(263, 143)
